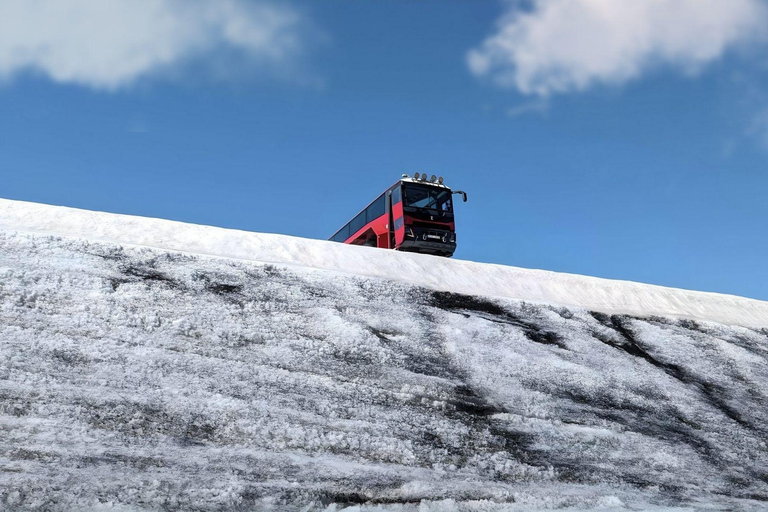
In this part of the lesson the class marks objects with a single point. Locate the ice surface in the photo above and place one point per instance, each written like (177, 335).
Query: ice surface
(607, 296)
(141, 377)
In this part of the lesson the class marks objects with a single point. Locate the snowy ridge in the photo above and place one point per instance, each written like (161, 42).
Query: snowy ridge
(498, 281)
(139, 378)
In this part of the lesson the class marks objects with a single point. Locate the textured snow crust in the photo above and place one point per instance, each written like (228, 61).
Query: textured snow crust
(608, 296)
(134, 377)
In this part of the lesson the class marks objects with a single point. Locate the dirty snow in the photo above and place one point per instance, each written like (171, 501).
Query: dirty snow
(145, 378)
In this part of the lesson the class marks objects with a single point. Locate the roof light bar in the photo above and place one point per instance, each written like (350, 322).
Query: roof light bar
(423, 177)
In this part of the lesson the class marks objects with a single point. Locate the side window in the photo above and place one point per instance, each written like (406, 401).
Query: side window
(343, 234)
(396, 195)
(357, 223)
(376, 209)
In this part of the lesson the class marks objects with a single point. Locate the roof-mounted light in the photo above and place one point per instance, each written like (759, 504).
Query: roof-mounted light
(433, 178)
(415, 175)
(423, 177)
(440, 180)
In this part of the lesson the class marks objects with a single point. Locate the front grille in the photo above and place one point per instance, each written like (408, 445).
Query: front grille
(432, 235)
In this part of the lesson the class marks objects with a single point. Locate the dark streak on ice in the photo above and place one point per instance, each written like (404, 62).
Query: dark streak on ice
(494, 313)
(711, 391)
(149, 274)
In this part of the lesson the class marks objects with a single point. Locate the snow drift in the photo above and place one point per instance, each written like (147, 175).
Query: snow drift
(608, 296)
(152, 364)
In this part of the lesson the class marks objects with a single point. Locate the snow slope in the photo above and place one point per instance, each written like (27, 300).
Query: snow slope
(145, 378)
(608, 296)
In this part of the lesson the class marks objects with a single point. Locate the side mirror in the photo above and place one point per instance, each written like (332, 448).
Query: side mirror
(463, 194)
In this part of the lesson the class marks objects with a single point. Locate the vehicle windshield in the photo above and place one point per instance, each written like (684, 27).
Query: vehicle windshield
(421, 196)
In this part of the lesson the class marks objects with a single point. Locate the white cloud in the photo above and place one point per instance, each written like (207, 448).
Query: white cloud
(108, 44)
(558, 46)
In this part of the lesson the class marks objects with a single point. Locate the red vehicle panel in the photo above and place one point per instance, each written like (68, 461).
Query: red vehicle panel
(398, 222)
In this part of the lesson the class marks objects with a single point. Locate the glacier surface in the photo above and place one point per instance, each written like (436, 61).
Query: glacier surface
(137, 377)
(499, 281)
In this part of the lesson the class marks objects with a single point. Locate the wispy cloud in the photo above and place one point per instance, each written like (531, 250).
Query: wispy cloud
(538, 106)
(544, 47)
(109, 44)
(758, 128)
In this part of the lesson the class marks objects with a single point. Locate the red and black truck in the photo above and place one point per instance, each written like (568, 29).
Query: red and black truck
(415, 214)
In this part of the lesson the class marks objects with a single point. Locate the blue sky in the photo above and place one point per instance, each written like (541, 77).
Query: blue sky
(628, 144)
